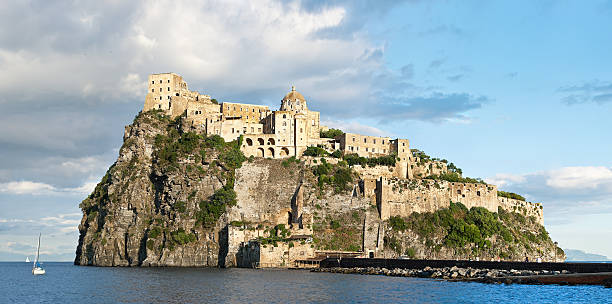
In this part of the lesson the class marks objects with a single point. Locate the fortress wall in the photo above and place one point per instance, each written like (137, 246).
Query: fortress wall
(407, 196)
(522, 207)
(402, 197)
(474, 195)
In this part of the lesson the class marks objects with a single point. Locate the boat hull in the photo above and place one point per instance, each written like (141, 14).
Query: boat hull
(38, 271)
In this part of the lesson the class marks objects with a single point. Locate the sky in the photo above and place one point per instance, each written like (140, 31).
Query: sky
(516, 92)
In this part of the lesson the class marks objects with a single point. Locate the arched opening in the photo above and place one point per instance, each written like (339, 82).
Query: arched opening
(260, 141)
(260, 152)
(271, 152)
(271, 141)
(284, 152)
(249, 142)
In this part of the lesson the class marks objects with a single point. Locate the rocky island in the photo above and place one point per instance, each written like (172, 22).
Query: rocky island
(203, 183)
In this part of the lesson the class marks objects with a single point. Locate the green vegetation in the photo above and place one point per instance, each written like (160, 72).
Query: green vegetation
(410, 252)
(455, 177)
(315, 151)
(213, 208)
(338, 176)
(181, 237)
(331, 133)
(180, 206)
(510, 195)
(354, 159)
(340, 232)
(155, 232)
(458, 228)
(287, 162)
(337, 154)
(276, 234)
(397, 223)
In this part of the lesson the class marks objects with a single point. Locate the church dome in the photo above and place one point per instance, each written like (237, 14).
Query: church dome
(293, 95)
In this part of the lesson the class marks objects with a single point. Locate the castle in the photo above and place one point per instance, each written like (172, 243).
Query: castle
(286, 132)
(396, 190)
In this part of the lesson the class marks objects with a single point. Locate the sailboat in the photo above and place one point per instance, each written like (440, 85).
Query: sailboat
(27, 259)
(36, 268)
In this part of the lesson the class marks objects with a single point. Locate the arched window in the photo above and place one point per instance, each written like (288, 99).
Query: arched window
(284, 115)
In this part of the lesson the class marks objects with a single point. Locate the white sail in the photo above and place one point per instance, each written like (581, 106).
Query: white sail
(28, 259)
(36, 269)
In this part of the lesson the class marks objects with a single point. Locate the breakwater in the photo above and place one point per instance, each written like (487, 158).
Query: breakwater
(421, 264)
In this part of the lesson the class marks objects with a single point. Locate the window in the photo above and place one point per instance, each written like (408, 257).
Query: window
(168, 80)
(284, 116)
(458, 191)
(403, 144)
(232, 130)
(152, 90)
(353, 139)
(160, 89)
(252, 130)
(160, 97)
(177, 94)
(168, 89)
(365, 140)
(383, 142)
(152, 81)
(168, 97)
(373, 149)
(301, 130)
(366, 149)
(384, 150)
(160, 81)
(374, 141)
(478, 193)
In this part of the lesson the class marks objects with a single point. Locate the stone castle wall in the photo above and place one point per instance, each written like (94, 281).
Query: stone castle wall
(397, 197)
(525, 208)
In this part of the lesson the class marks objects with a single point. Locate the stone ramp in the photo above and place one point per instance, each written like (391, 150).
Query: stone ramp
(372, 232)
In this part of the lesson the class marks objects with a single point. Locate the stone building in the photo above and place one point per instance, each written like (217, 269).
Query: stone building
(286, 132)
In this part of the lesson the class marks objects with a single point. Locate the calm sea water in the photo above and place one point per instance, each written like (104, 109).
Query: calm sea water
(65, 283)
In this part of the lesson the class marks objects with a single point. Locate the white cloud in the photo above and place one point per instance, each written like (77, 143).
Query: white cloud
(502, 179)
(26, 187)
(580, 178)
(36, 188)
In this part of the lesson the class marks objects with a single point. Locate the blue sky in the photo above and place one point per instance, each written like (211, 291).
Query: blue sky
(516, 92)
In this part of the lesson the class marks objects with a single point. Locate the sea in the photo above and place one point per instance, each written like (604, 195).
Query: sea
(66, 283)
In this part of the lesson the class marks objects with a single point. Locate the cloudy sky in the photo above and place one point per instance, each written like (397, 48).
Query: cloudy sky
(518, 93)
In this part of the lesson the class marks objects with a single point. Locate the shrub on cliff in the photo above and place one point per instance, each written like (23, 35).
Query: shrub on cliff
(458, 225)
(315, 151)
(510, 195)
(331, 133)
(338, 176)
(456, 178)
(213, 208)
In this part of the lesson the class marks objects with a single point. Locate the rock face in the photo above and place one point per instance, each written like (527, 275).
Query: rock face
(176, 198)
(143, 215)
